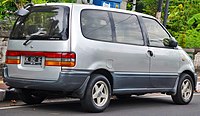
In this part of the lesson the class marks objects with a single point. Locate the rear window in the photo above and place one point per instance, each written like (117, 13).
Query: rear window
(42, 23)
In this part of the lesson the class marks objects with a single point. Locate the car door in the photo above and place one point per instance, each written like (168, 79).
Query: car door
(164, 61)
(131, 61)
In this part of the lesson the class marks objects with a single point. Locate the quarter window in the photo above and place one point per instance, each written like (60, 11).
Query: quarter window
(156, 32)
(127, 29)
(96, 25)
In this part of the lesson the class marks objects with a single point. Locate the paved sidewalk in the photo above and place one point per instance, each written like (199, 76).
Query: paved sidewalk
(6, 93)
(2, 85)
(3, 89)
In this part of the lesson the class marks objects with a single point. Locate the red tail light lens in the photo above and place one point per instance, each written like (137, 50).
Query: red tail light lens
(69, 55)
(67, 59)
(53, 55)
(12, 53)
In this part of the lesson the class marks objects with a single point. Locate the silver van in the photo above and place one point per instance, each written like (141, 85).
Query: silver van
(93, 53)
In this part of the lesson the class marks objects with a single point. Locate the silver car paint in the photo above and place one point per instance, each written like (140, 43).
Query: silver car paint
(185, 62)
(35, 72)
(93, 55)
(166, 62)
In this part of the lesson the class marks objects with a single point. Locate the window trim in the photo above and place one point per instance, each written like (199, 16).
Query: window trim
(144, 31)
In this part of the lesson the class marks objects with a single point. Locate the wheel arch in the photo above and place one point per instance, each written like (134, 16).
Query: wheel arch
(177, 97)
(80, 93)
(192, 75)
(105, 73)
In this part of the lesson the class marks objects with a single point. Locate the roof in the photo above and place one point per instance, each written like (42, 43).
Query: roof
(86, 6)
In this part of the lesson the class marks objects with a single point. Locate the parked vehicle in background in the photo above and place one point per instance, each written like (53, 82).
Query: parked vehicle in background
(92, 53)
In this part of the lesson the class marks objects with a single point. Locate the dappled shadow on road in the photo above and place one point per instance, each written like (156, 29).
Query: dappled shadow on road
(135, 106)
(74, 106)
(60, 106)
(140, 102)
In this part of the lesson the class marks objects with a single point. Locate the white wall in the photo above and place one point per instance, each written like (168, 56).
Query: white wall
(197, 61)
(3, 48)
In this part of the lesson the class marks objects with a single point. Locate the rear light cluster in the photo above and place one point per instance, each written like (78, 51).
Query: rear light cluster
(60, 59)
(12, 57)
(66, 59)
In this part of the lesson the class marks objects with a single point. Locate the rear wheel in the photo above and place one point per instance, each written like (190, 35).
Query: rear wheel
(185, 90)
(97, 95)
(31, 96)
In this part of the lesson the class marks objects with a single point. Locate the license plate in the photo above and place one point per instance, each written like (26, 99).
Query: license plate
(33, 60)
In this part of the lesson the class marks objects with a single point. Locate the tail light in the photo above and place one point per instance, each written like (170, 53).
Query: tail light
(66, 59)
(12, 57)
(60, 59)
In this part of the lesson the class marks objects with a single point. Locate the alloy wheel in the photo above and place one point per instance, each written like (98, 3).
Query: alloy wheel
(186, 90)
(100, 93)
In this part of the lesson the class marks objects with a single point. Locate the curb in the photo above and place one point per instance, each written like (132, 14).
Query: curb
(198, 87)
(9, 94)
(2, 94)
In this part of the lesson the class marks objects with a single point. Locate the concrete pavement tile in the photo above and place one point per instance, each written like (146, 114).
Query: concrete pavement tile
(3, 85)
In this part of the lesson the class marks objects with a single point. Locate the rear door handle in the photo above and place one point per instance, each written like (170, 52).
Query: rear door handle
(150, 53)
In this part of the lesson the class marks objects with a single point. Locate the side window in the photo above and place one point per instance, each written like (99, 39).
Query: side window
(156, 32)
(96, 25)
(127, 29)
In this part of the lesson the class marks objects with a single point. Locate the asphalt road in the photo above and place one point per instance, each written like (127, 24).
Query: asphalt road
(135, 106)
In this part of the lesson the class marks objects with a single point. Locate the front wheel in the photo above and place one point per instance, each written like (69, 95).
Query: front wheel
(97, 95)
(185, 90)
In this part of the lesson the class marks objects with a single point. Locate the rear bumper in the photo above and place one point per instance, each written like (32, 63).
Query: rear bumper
(68, 81)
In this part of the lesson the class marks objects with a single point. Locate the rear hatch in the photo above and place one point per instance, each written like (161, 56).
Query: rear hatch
(39, 44)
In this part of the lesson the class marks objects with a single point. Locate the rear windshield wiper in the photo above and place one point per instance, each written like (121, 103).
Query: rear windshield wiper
(39, 37)
(35, 37)
(30, 38)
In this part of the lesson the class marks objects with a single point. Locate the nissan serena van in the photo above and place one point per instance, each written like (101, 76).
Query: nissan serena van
(92, 53)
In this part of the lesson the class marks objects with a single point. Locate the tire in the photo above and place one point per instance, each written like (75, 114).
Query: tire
(97, 94)
(185, 90)
(31, 97)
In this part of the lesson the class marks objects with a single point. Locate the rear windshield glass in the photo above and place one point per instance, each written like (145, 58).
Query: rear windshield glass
(42, 23)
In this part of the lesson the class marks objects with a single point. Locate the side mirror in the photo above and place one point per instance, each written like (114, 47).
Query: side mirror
(22, 12)
(170, 42)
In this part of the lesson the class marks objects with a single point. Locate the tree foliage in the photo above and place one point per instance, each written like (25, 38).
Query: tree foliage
(8, 7)
(183, 20)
